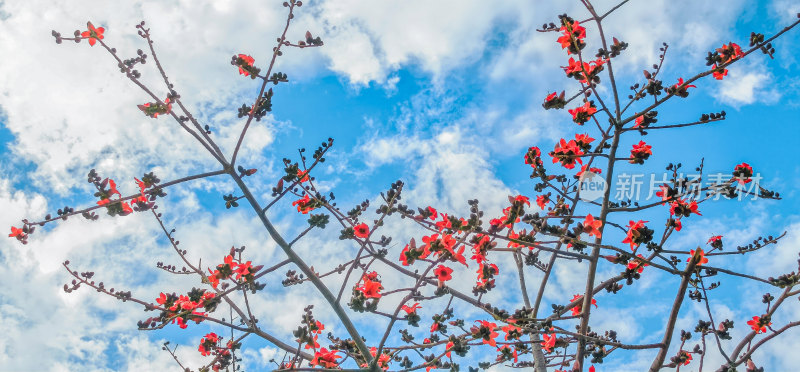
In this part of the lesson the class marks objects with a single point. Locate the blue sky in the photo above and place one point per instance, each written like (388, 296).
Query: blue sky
(447, 99)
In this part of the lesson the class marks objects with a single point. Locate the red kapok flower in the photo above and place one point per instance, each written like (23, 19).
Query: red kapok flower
(549, 342)
(542, 201)
(325, 358)
(567, 153)
(743, 173)
(684, 357)
(579, 307)
(680, 89)
(719, 73)
(361, 230)
(585, 167)
(93, 33)
(302, 176)
(759, 324)
(636, 233)
(730, 52)
(699, 253)
(442, 273)
(248, 62)
(715, 241)
(16, 233)
(592, 226)
(638, 265)
(243, 270)
(411, 309)
(371, 288)
(682, 208)
(533, 157)
(208, 343)
(640, 152)
(572, 37)
(304, 204)
(486, 331)
(583, 113)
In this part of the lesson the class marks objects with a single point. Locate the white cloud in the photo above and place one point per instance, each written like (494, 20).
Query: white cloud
(746, 85)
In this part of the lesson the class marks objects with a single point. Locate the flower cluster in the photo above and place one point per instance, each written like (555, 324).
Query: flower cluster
(229, 268)
(723, 55)
(325, 358)
(371, 285)
(582, 114)
(572, 35)
(637, 234)
(760, 323)
(567, 153)
(640, 152)
(585, 71)
(183, 308)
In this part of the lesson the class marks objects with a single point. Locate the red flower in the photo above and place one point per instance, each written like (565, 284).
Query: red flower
(549, 341)
(443, 273)
(576, 69)
(533, 157)
(383, 360)
(685, 357)
(640, 152)
(302, 176)
(16, 233)
(743, 173)
(665, 193)
(637, 265)
(521, 199)
(592, 226)
(304, 204)
(572, 32)
(361, 230)
(719, 73)
(242, 270)
(585, 167)
(153, 109)
(411, 309)
(567, 153)
(583, 113)
(681, 90)
(759, 324)
(486, 331)
(162, 299)
(635, 232)
(325, 358)
(681, 208)
(639, 120)
(93, 33)
(702, 256)
(579, 307)
(583, 141)
(542, 201)
(248, 61)
(213, 279)
(715, 241)
(433, 213)
(112, 188)
(208, 343)
(730, 52)
(370, 289)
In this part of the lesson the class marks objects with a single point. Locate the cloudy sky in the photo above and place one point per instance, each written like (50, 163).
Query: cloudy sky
(445, 96)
